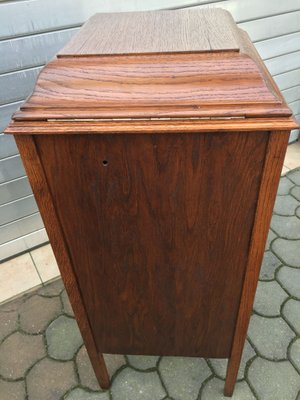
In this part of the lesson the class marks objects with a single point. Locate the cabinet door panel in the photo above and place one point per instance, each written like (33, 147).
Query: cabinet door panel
(158, 228)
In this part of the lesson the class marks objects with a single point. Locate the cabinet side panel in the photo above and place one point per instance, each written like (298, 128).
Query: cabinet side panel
(158, 228)
(38, 181)
(275, 153)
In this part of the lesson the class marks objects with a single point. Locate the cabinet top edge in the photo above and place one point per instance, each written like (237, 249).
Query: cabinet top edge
(63, 127)
(230, 81)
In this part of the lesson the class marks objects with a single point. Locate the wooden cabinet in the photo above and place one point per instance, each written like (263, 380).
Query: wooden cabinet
(154, 144)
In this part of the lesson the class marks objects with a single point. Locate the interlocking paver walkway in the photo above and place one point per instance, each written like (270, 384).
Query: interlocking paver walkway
(42, 356)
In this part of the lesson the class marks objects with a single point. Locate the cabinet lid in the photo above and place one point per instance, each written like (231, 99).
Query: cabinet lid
(126, 72)
(165, 31)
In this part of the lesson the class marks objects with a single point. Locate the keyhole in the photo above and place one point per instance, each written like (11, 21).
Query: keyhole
(105, 163)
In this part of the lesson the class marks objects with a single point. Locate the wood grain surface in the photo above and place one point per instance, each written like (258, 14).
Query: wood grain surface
(191, 85)
(156, 175)
(162, 31)
(82, 127)
(35, 172)
(275, 153)
(158, 229)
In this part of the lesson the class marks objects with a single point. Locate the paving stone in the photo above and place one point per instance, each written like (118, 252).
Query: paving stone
(37, 312)
(8, 323)
(133, 385)
(286, 205)
(220, 365)
(50, 380)
(19, 352)
(269, 265)
(274, 380)
(12, 390)
(52, 289)
(295, 354)
(66, 304)
(63, 338)
(286, 227)
(291, 311)
(270, 336)
(12, 305)
(296, 192)
(213, 390)
(284, 186)
(271, 236)
(268, 299)
(298, 212)
(183, 376)
(290, 280)
(294, 176)
(143, 362)
(288, 251)
(86, 373)
(80, 394)
(113, 362)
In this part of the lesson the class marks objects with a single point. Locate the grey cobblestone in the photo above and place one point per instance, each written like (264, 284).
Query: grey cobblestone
(37, 312)
(18, 353)
(291, 311)
(294, 176)
(269, 265)
(295, 354)
(50, 380)
(285, 186)
(286, 205)
(85, 370)
(220, 365)
(271, 236)
(80, 394)
(12, 390)
(52, 289)
(213, 390)
(183, 376)
(12, 305)
(271, 336)
(286, 227)
(296, 192)
(133, 385)
(274, 380)
(8, 323)
(288, 251)
(113, 362)
(268, 299)
(66, 304)
(290, 280)
(63, 338)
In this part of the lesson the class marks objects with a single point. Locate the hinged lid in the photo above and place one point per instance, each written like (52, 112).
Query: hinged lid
(138, 71)
(187, 30)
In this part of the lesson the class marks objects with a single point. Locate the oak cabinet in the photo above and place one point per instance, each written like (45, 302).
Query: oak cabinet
(154, 144)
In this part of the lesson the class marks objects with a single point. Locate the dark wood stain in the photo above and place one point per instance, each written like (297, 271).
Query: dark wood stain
(35, 172)
(159, 236)
(156, 176)
(275, 154)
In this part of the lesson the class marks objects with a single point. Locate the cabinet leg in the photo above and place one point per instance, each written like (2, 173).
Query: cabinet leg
(102, 373)
(231, 374)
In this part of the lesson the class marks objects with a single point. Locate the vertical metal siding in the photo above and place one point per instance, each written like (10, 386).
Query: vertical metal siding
(30, 36)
